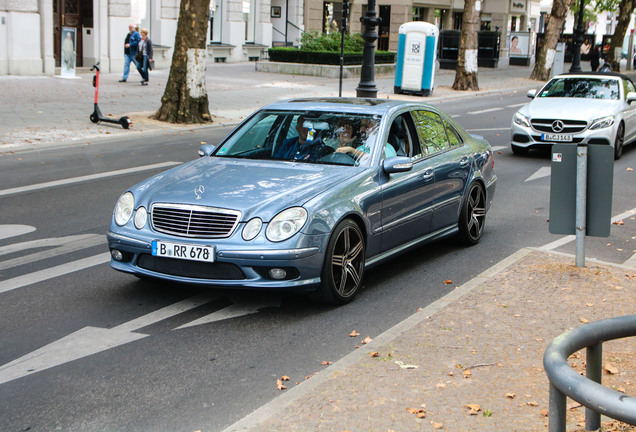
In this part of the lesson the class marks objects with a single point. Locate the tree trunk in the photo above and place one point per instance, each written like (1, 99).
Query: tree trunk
(543, 65)
(185, 99)
(466, 72)
(625, 10)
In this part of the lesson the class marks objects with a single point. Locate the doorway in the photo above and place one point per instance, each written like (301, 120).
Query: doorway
(77, 14)
(385, 28)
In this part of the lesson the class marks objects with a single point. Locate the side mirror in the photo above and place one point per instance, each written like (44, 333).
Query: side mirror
(206, 150)
(631, 97)
(532, 93)
(397, 164)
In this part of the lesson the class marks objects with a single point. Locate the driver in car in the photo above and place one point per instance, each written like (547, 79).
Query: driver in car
(300, 148)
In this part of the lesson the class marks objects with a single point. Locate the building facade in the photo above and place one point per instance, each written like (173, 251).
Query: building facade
(32, 31)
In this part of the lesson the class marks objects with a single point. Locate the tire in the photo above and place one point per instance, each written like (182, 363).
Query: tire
(619, 142)
(124, 122)
(519, 150)
(472, 217)
(94, 118)
(343, 268)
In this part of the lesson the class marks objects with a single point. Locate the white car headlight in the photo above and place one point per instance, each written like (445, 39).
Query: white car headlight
(286, 223)
(124, 208)
(252, 228)
(603, 122)
(521, 120)
(141, 216)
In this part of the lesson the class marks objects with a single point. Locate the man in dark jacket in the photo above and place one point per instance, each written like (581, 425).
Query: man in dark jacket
(130, 50)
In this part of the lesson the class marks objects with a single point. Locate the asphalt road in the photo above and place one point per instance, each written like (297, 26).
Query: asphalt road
(85, 348)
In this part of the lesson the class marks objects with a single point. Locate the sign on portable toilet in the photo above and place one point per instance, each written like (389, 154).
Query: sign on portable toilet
(417, 54)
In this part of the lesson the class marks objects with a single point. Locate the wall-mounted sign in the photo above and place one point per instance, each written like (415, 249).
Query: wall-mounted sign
(68, 52)
(517, 6)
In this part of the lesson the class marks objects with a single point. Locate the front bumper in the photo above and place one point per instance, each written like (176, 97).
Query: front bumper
(525, 137)
(234, 266)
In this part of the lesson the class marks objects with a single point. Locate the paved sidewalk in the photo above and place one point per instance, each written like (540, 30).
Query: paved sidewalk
(479, 347)
(45, 111)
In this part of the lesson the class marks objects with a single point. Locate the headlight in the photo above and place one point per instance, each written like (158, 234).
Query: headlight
(124, 208)
(603, 122)
(286, 223)
(141, 216)
(521, 120)
(252, 228)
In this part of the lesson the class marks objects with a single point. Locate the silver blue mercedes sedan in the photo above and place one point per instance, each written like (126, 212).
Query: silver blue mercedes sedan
(305, 195)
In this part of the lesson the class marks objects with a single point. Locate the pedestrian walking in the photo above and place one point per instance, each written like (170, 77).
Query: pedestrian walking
(595, 57)
(130, 50)
(144, 56)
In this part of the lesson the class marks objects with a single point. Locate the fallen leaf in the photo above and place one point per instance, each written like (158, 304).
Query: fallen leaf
(448, 281)
(611, 368)
(438, 425)
(405, 366)
(544, 412)
(326, 363)
(284, 378)
(441, 385)
(354, 334)
(510, 395)
(583, 320)
(374, 354)
(630, 169)
(473, 407)
(620, 389)
(467, 373)
(532, 404)
(279, 385)
(366, 340)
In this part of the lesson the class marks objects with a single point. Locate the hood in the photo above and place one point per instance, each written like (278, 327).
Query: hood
(571, 108)
(255, 188)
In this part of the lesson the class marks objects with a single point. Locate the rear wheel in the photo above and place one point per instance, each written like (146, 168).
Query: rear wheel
(473, 215)
(619, 142)
(343, 268)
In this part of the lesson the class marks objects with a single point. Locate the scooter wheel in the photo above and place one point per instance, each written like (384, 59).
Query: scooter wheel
(125, 122)
(94, 118)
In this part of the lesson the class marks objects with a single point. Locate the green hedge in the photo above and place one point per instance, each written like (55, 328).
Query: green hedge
(294, 55)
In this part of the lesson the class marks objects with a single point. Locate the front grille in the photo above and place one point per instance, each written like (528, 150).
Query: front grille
(569, 126)
(191, 269)
(194, 221)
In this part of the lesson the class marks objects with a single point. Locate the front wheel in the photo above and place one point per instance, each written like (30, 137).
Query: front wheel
(473, 215)
(343, 268)
(619, 142)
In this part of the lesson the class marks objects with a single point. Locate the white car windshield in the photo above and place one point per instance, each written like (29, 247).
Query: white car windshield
(311, 137)
(580, 87)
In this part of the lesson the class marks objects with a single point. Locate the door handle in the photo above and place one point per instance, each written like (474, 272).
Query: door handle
(464, 162)
(428, 175)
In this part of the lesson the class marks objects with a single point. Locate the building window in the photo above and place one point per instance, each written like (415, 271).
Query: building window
(458, 18)
(249, 19)
(331, 17)
(215, 21)
(418, 13)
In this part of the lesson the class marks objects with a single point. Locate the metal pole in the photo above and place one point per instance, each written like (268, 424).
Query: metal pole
(556, 414)
(578, 41)
(366, 87)
(593, 370)
(581, 204)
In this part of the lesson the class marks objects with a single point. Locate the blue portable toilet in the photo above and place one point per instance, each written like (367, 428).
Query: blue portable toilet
(416, 57)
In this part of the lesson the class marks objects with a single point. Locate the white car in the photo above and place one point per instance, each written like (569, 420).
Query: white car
(587, 108)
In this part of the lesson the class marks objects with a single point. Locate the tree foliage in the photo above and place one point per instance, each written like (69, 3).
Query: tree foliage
(316, 41)
(625, 11)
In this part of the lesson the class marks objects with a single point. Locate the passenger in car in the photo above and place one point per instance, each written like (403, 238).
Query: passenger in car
(359, 145)
(300, 148)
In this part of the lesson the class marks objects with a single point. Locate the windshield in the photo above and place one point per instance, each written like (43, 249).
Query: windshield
(591, 88)
(310, 137)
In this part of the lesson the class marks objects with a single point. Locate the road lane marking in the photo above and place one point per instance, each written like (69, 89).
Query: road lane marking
(50, 273)
(487, 110)
(540, 173)
(7, 231)
(73, 180)
(488, 129)
(516, 105)
(497, 148)
(59, 246)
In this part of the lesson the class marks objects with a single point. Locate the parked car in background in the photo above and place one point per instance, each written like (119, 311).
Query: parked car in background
(589, 108)
(306, 195)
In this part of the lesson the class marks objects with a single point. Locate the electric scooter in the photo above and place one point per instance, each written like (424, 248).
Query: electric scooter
(97, 116)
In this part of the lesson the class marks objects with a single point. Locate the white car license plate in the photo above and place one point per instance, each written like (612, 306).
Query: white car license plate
(183, 251)
(556, 137)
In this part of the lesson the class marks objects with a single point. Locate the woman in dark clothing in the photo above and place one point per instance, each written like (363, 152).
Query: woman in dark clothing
(595, 57)
(145, 49)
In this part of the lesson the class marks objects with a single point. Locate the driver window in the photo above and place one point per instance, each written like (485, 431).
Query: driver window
(431, 132)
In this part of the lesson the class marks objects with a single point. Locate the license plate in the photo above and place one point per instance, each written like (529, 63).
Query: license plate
(183, 251)
(556, 137)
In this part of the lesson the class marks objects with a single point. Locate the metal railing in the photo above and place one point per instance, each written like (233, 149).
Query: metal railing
(588, 391)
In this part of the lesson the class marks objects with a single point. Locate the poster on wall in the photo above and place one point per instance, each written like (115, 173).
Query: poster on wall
(520, 44)
(68, 52)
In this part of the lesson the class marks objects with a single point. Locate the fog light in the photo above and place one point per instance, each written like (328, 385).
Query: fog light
(277, 273)
(117, 255)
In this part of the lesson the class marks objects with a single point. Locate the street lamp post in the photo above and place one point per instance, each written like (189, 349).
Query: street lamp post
(578, 41)
(366, 87)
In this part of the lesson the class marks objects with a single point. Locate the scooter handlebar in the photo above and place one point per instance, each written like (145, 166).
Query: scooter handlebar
(95, 66)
